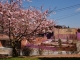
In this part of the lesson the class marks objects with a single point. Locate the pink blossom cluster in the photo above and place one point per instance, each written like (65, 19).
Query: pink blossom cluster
(19, 22)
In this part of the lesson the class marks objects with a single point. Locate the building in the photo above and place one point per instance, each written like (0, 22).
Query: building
(4, 46)
(65, 33)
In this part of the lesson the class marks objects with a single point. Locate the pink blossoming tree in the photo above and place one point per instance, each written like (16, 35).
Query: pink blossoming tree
(17, 22)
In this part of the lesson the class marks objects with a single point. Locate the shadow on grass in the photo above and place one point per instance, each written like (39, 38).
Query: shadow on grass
(58, 58)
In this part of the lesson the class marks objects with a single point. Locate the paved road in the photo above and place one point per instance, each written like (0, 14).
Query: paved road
(64, 55)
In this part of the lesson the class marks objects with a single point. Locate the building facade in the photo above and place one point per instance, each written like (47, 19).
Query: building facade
(65, 33)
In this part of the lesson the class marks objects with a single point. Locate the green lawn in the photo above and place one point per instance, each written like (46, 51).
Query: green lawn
(20, 58)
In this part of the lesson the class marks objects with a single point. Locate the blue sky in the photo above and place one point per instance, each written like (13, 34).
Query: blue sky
(68, 17)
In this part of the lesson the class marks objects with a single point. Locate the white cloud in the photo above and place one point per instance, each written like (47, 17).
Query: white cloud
(77, 10)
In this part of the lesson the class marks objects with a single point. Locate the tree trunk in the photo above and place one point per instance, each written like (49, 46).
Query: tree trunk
(16, 49)
(15, 53)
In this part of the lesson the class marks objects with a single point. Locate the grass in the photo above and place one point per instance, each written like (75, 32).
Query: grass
(38, 58)
(35, 58)
(20, 58)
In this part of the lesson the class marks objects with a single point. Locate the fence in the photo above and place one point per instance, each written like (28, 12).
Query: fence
(6, 51)
(47, 50)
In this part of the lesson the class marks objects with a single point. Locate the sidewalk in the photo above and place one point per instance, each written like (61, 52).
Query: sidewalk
(60, 56)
